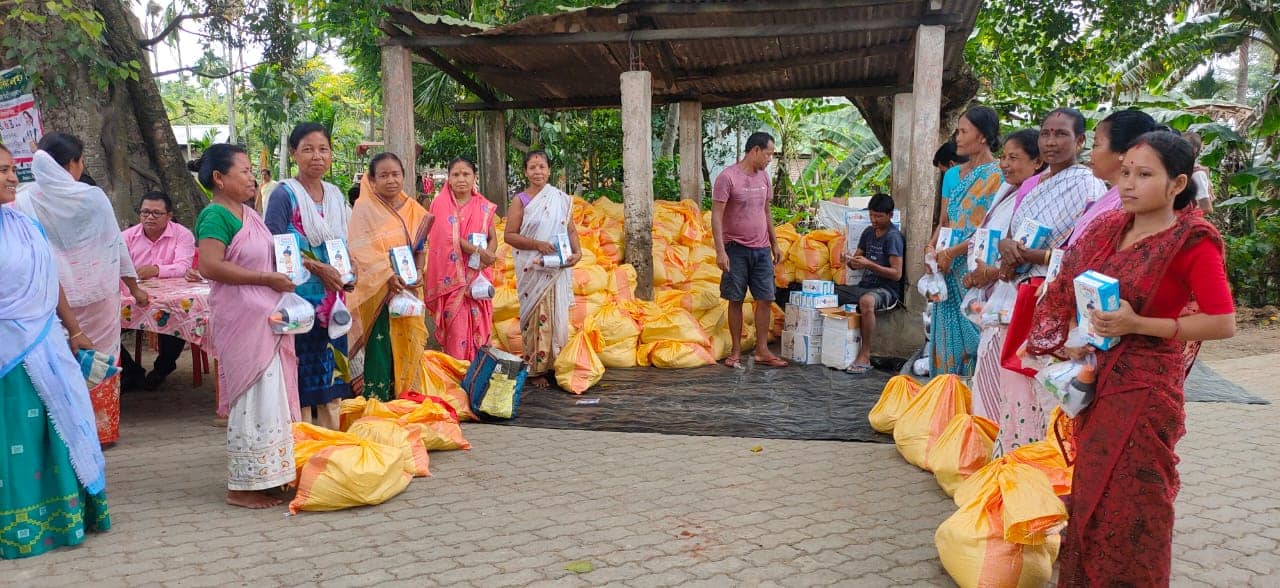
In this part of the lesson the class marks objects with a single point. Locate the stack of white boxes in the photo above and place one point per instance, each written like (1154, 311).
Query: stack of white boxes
(802, 325)
(841, 338)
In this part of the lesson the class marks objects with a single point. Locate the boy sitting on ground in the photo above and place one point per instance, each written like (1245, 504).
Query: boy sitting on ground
(879, 256)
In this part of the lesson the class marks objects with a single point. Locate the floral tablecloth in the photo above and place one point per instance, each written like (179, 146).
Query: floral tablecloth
(178, 307)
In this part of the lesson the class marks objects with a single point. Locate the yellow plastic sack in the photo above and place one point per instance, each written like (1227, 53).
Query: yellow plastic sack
(438, 430)
(619, 335)
(578, 366)
(622, 282)
(1044, 456)
(928, 415)
(811, 253)
(680, 355)
(669, 265)
(715, 319)
(349, 410)
(339, 470)
(608, 208)
(444, 380)
(506, 304)
(390, 432)
(895, 397)
(962, 449)
(589, 279)
(674, 324)
(507, 337)
(584, 307)
(1005, 535)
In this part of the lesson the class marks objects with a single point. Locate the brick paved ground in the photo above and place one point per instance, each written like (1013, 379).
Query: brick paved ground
(646, 510)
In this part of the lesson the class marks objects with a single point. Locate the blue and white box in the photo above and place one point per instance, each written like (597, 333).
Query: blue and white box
(818, 287)
(825, 301)
(479, 241)
(984, 247)
(1032, 234)
(855, 223)
(1095, 291)
(947, 237)
(1055, 265)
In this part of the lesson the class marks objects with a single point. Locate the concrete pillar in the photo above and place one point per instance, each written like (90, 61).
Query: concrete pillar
(491, 150)
(397, 111)
(637, 176)
(901, 147)
(691, 151)
(917, 215)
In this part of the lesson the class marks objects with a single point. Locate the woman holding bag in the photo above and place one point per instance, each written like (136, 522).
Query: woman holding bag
(537, 215)
(1125, 477)
(258, 377)
(384, 218)
(994, 391)
(463, 321)
(314, 211)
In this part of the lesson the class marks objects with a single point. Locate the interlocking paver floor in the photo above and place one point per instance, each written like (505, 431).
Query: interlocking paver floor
(646, 510)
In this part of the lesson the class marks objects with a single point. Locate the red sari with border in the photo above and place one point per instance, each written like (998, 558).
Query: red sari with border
(1120, 530)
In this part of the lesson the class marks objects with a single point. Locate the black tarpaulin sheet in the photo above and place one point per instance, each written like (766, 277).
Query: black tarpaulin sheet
(797, 402)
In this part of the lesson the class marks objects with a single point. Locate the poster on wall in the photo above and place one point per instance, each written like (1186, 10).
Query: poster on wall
(20, 126)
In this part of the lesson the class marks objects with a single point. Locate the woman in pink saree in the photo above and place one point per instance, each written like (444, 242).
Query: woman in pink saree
(258, 370)
(463, 322)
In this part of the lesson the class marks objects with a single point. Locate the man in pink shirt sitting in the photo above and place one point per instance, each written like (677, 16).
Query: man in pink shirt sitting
(160, 248)
(746, 249)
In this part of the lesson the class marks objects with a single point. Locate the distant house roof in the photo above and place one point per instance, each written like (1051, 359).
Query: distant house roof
(199, 132)
(716, 51)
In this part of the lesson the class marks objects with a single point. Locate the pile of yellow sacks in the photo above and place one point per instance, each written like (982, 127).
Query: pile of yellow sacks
(684, 326)
(1006, 529)
(381, 446)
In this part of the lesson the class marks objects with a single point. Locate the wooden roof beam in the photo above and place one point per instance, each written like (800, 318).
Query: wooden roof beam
(877, 87)
(679, 34)
(678, 8)
(446, 66)
(761, 67)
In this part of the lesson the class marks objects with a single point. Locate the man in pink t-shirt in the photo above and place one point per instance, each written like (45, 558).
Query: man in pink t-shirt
(746, 249)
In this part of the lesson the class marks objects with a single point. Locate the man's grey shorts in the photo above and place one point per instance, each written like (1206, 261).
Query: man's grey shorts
(749, 267)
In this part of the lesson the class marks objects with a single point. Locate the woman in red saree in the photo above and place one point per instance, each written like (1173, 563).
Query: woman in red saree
(1125, 479)
(463, 323)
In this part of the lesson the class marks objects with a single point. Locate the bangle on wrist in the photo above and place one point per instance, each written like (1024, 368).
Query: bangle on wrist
(75, 334)
(1177, 328)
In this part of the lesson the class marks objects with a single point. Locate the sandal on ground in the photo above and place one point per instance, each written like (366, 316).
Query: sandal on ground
(772, 361)
(859, 368)
(733, 361)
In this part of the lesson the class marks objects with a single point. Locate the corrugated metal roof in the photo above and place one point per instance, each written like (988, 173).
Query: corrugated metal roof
(717, 51)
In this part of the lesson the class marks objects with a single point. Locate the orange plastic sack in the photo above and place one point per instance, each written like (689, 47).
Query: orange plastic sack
(622, 282)
(338, 470)
(679, 355)
(1006, 534)
(895, 397)
(444, 379)
(390, 432)
(437, 428)
(349, 410)
(589, 279)
(962, 449)
(811, 253)
(507, 336)
(1044, 456)
(578, 366)
(928, 415)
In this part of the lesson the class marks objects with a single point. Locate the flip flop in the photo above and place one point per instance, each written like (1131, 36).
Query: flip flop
(733, 362)
(859, 368)
(772, 361)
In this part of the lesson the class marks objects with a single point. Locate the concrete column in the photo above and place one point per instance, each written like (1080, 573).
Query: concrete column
(637, 176)
(917, 215)
(397, 111)
(691, 151)
(491, 150)
(901, 147)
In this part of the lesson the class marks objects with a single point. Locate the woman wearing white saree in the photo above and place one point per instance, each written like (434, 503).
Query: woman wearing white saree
(91, 257)
(536, 216)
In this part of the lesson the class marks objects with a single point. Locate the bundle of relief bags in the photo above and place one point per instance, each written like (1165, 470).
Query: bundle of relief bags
(1006, 531)
(684, 326)
(381, 447)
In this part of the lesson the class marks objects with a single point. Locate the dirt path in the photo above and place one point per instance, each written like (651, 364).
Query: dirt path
(1251, 338)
